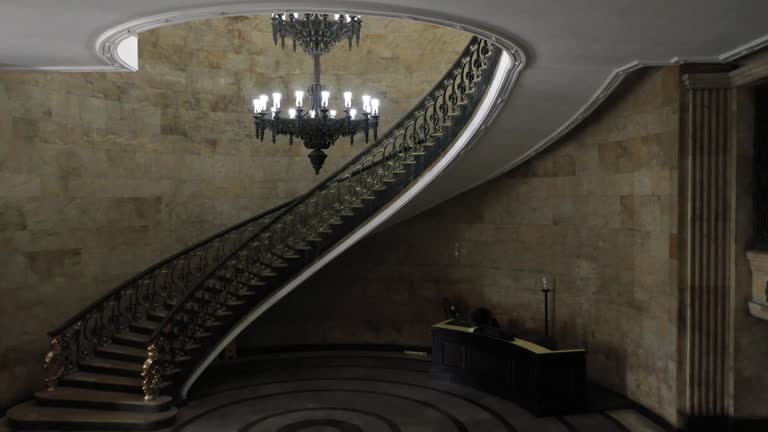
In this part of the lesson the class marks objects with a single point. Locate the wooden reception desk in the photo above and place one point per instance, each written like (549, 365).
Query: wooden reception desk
(543, 381)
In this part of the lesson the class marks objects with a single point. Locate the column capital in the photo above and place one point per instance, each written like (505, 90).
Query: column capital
(717, 80)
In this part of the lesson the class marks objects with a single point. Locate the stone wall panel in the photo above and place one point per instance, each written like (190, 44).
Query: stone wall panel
(103, 174)
(595, 214)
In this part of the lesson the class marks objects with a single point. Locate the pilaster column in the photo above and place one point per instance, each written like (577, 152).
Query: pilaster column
(706, 215)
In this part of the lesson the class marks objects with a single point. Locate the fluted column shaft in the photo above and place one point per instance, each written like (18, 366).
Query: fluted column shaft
(707, 290)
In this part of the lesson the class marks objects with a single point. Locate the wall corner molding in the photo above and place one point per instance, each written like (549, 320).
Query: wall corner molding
(750, 74)
(743, 76)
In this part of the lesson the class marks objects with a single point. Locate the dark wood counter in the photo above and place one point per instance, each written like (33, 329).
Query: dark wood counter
(543, 381)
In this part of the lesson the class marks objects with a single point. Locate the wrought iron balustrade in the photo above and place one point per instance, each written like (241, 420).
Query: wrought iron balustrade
(299, 234)
(166, 281)
(205, 289)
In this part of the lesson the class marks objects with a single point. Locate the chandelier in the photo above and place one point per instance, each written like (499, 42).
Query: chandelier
(318, 126)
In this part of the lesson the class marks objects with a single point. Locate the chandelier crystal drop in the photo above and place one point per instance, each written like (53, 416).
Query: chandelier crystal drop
(317, 125)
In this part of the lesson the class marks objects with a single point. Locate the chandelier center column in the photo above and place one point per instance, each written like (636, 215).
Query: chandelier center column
(315, 89)
(320, 126)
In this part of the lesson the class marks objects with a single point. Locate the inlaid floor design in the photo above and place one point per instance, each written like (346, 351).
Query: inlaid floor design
(364, 392)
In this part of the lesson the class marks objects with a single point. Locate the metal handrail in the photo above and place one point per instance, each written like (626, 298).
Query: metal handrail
(338, 174)
(135, 278)
(245, 252)
(284, 238)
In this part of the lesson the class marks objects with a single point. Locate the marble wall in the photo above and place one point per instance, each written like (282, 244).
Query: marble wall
(596, 213)
(102, 174)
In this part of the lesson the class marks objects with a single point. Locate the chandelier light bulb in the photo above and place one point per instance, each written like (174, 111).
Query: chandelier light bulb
(375, 106)
(316, 124)
(326, 95)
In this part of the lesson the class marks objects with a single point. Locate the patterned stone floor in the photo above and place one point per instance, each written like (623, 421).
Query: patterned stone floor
(367, 392)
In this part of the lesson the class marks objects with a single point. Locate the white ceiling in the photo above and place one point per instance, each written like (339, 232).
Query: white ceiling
(573, 48)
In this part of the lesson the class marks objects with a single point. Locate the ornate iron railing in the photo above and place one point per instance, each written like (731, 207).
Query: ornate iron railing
(204, 288)
(306, 228)
(77, 339)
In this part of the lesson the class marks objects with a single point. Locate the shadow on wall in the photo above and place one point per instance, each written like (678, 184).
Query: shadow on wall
(103, 174)
(597, 212)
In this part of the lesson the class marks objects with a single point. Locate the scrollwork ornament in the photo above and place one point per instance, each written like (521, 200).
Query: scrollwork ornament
(55, 363)
(151, 373)
(209, 282)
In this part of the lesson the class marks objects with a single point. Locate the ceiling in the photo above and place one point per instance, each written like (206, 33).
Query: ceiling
(575, 51)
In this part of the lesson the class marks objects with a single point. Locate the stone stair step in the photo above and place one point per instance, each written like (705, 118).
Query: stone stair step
(145, 327)
(156, 315)
(133, 339)
(30, 415)
(122, 352)
(74, 397)
(112, 366)
(102, 381)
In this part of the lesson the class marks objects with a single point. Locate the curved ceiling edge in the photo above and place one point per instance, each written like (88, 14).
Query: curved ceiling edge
(504, 78)
(106, 45)
(608, 86)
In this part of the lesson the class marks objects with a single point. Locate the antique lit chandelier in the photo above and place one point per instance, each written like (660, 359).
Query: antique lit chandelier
(318, 126)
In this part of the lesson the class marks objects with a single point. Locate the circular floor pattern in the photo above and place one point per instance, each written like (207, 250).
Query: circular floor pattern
(361, 393)
(325, 417)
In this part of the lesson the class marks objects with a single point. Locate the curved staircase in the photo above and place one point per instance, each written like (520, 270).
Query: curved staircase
(122, 362)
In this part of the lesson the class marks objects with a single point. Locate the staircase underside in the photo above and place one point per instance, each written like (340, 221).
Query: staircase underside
(173, 330)
(579, 57)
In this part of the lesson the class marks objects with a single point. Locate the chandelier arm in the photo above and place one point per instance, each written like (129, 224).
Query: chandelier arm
(318, 127)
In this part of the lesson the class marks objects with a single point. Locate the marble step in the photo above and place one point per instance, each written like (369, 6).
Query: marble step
(102, 381)
(156, 316)
(112, 366)
(145, 327)
(122, 352)
(75, 397)
(134, 355)
(30, 415)
(132, 339)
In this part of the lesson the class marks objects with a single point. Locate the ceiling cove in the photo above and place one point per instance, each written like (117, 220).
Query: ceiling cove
(118, 45)
(110, 47)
